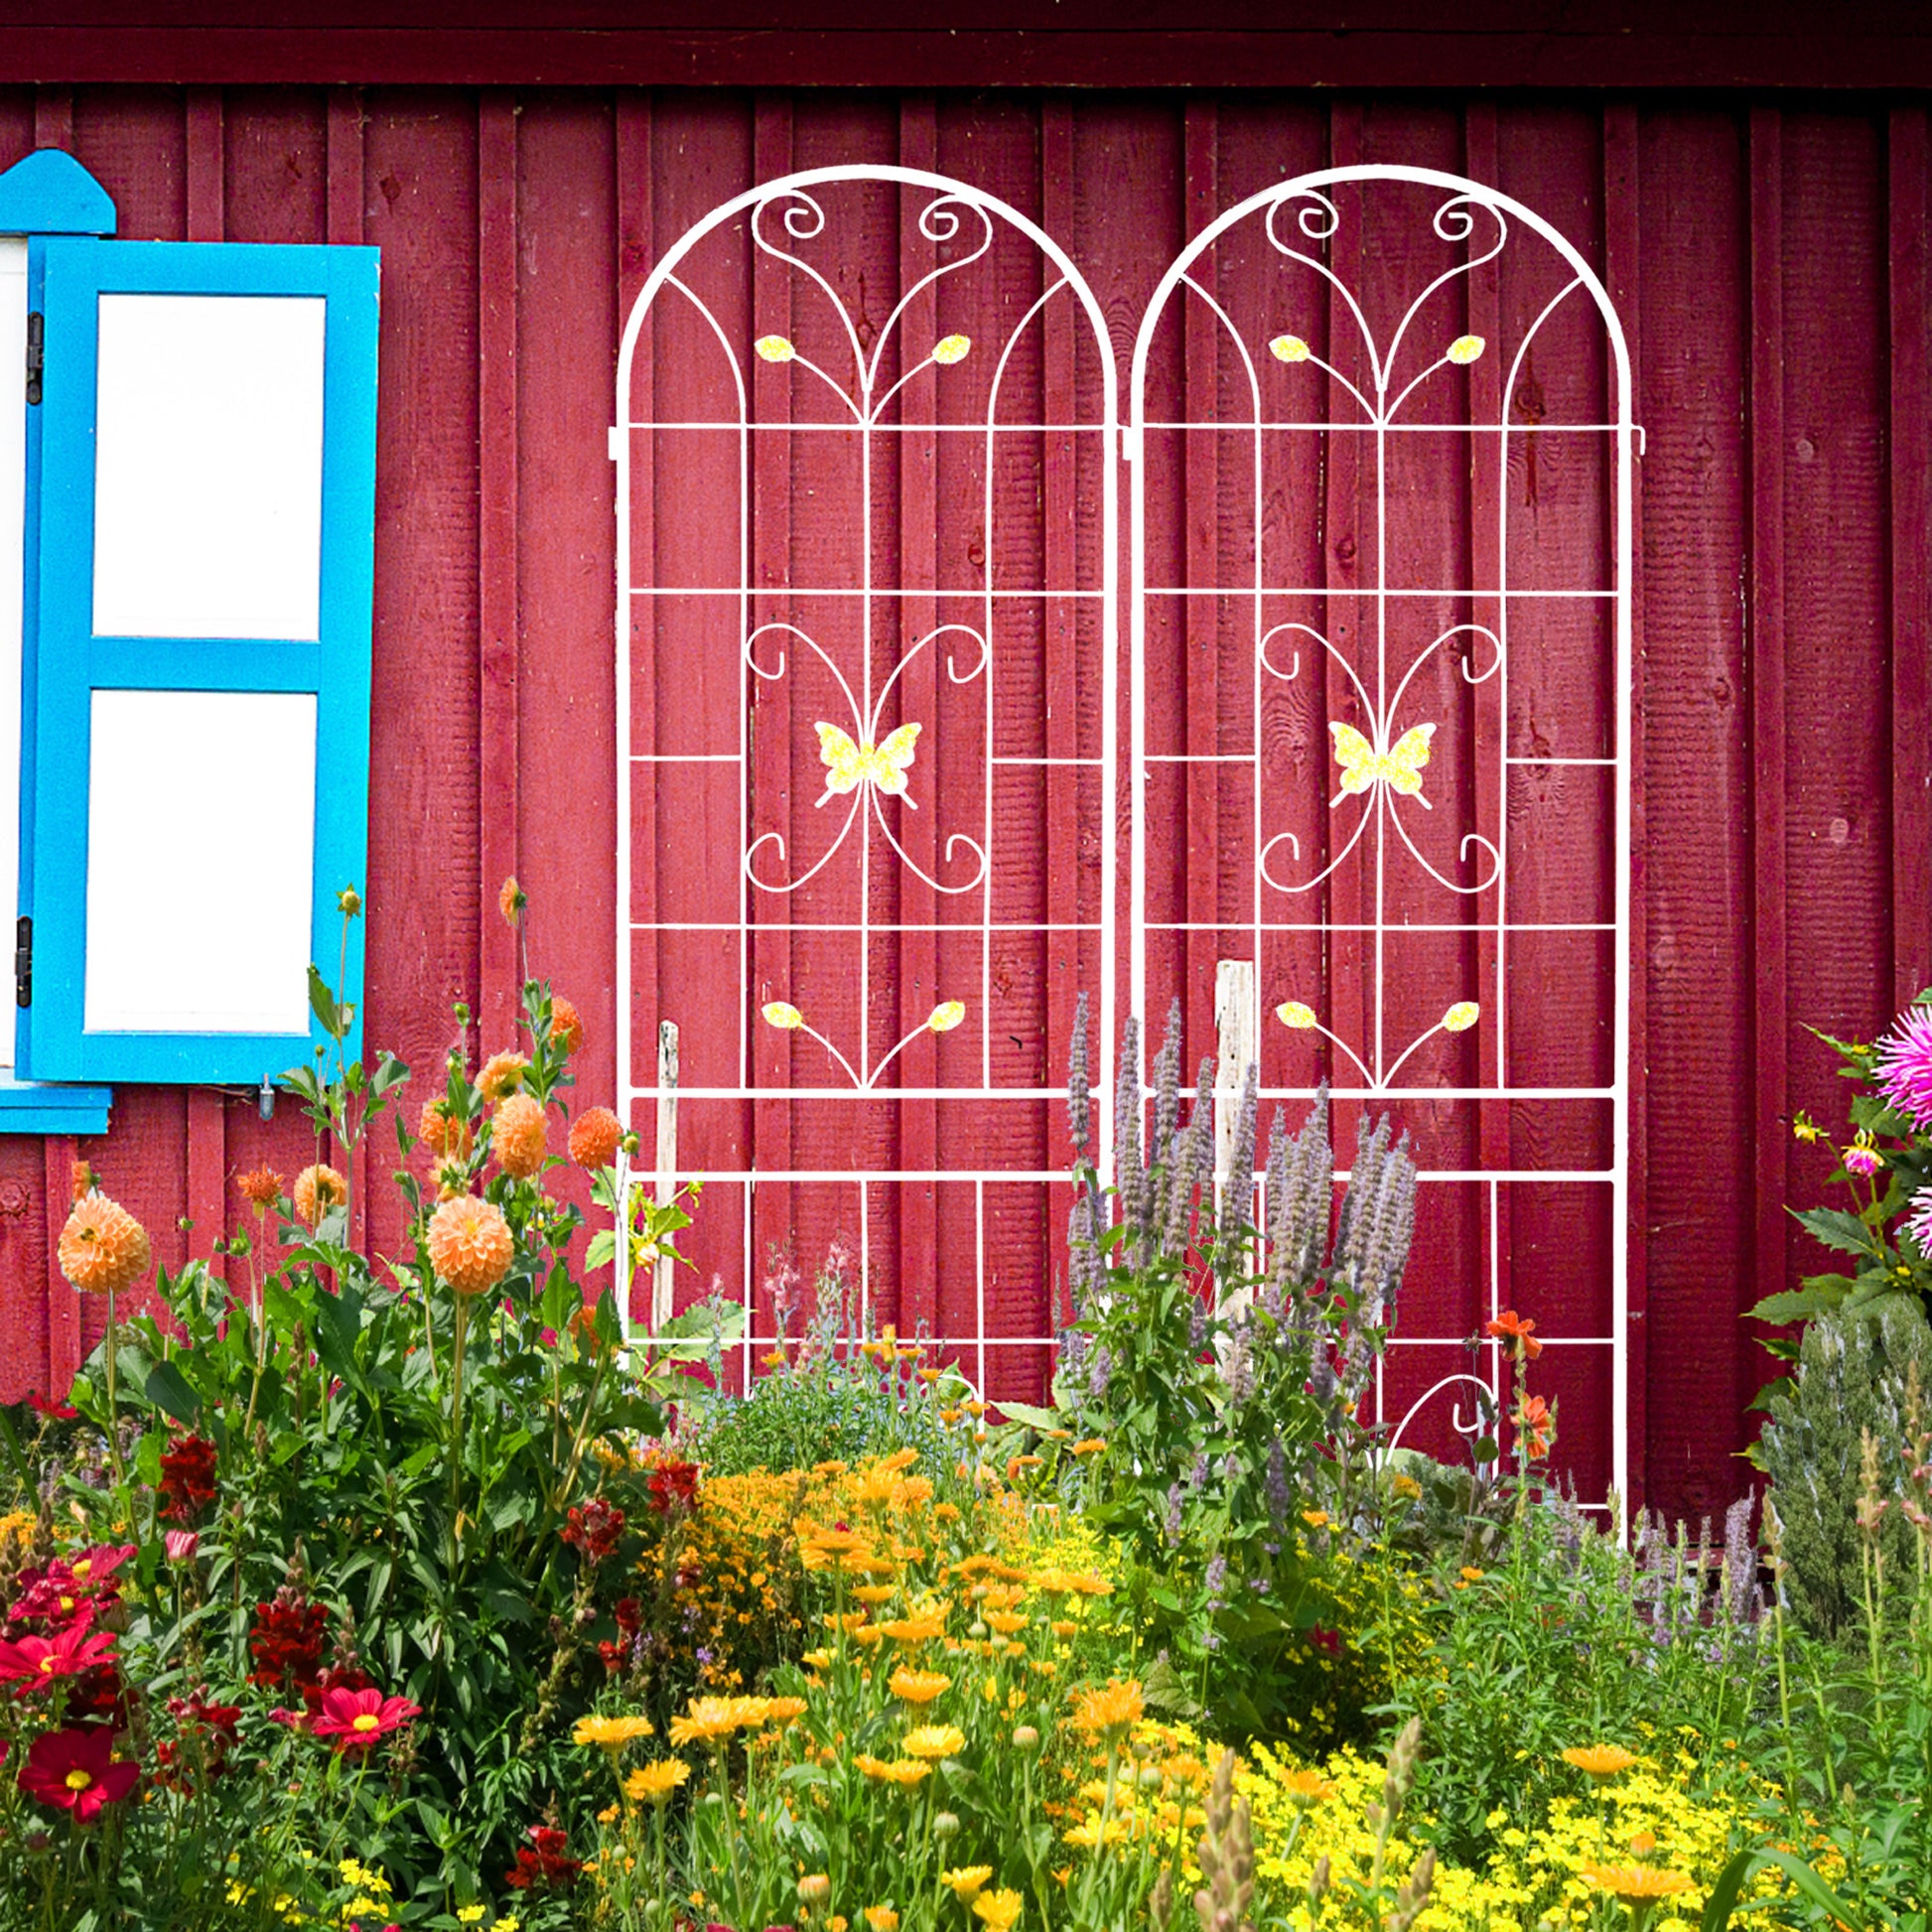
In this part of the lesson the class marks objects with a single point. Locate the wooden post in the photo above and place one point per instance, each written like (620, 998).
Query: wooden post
(1234, 1053)
(660, 1284)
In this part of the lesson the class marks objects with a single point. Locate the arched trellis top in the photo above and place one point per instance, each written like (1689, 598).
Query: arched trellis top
(946, 187)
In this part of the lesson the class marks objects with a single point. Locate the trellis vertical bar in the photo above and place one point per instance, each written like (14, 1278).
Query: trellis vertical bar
(1766, 644)
(1341, 517)
(636, 704)
(918, 951)
(1201, 631)
(1490, 701)
(769, 779)
(1623, 230)
(1061, 472)
(205, 154)
(1910, 292)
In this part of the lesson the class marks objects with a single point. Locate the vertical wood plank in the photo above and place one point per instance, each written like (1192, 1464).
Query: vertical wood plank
(1202, 335)
(345, 165)
(1765, 647)
(342, 198)
(497, 524)
(207, 158)
(1910, 490)
(1622, 231)
(207, 164)
(1060, 481)
(63, 1350)
(770, 781)
(918, 952)
(53, 118)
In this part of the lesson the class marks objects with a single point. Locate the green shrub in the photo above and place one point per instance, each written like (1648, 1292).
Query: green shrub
(1852, 1376)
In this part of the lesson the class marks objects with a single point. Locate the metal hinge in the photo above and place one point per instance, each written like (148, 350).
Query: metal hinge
(35, 365)
(24, 962)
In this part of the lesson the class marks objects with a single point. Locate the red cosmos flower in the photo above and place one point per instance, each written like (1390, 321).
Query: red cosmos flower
(187, 1478)
(337, 1677)
(1512, 1327)
(67, 1593)
(594, 1529)
(39, 1660)
(356, 1718)
(73, 1770)
(53, 1411)
(1322, 1638)
(673, 1486)
(542, 1861)
(286, 1643)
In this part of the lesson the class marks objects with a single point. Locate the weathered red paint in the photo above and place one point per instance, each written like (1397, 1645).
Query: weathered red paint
(1770, 265)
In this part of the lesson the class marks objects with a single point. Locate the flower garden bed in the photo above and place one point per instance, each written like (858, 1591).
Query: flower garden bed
(372, 1596)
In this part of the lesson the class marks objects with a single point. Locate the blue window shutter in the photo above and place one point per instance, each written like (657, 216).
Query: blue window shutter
(125, 685)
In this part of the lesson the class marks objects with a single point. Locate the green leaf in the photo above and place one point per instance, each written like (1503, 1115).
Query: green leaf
(1801, 1303)
(1809, 1882)
(322, 1003)
(1723, 1894)
(1837, 1229)
(1041, 1419)
(167, 1389)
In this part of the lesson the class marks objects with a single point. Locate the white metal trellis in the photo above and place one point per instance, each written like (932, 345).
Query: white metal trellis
(1264, 276)
(865, 394)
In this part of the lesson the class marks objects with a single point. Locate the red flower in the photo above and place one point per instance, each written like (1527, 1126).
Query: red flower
(1535, 1423)
(594, 1529)
(542, 1861)
(337, 1677)
(1511, 1326)
(54, 1410)
(673, 1486)
(356, 1718)
(1325, 1640)
(187, 1478)
(286, 1643)
(39, 1660)
(207, 1731)
(630, 1614)
(74, 1772)
(68, 1592)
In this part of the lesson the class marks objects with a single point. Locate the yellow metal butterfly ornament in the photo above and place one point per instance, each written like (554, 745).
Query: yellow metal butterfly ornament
(1364, 767)
(884, 765)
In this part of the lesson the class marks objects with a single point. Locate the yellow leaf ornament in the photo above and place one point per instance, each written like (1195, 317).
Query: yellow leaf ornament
(1399, 767)
(849, 766)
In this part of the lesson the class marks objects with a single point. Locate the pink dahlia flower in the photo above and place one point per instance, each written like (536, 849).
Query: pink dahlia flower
(1903, 1065)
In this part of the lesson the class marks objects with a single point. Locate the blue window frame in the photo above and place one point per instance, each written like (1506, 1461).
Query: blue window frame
(196, 691)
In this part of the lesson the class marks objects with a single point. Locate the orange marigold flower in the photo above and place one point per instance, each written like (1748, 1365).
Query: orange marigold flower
(445, 1137)
(317, 1190)
(593, 1137)
(1109, 1712)
(918, 1686)
(566, 1025)
(104, 1248)
(470, 1244)
(1599, 1760)
(262, 1188)
(520, 1135)
(934, 1742)
(503, 1075)
(1091, 1447)
(1637, 1884)
(511, 899)
(1303, 1788)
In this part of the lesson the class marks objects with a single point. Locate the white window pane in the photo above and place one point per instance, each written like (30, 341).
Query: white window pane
(13, 526)
(200, 854)
(207, 480)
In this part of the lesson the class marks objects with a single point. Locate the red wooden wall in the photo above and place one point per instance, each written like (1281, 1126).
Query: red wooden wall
(1768, 256)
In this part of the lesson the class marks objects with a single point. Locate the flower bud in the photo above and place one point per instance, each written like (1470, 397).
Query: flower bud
(815, 1888)
(945, 1825)
(1025, 1737)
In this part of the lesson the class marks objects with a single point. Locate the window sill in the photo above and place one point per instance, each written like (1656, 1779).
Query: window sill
(27, 1107)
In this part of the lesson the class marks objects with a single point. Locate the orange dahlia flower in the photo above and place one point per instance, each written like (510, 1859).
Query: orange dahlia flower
(260, 1188)
(519, 1135)
(566, 1025)
(593, 1137)
(316, 1190)
(445, 1137)
(503, 1075)
(470, 1244)
(104, 1248)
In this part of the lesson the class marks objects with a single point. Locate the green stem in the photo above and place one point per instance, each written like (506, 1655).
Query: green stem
(456, 1423)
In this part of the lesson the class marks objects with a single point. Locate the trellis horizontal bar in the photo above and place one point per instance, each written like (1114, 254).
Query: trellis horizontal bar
(873, 925)
(1249, 427)
(1475, 591)
(1338, 925)
(964, 592)
(1018, 1176)
(850, 428)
